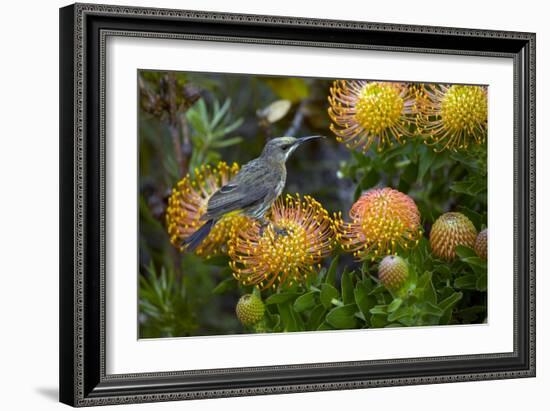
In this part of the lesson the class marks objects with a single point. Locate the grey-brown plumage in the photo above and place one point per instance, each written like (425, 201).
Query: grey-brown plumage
(253, 189)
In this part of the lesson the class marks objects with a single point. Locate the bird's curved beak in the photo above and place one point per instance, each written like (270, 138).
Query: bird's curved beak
(304, 139)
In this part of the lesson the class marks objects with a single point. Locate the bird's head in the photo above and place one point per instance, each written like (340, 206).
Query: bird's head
(280, 148)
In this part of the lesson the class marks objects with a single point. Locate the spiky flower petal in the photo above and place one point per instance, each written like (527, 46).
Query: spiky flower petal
(480, 246)
(449, 231)
(366, 113)
(382, 220)
(188, 203)
(393, 272)
(250, 309)
(453, 117)
(298, 237)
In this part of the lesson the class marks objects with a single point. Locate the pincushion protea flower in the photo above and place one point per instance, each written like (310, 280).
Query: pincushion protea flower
(364, 113)
(480, 246)
(381, 220)
(188, 203)
(250, 309)
(449, 231)
(393, 272)
(299, 237)
(453, 117)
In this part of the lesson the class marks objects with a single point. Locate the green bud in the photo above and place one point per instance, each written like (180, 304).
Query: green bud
(250, 309)
(393, 272)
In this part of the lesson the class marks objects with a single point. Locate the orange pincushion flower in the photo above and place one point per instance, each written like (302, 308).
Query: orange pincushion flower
(188, 203)
(367, 112)
(449, 231)
(285, 257)
(381, 220)
(453, 117)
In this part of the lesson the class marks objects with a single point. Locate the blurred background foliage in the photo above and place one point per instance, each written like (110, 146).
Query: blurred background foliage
(190, 119)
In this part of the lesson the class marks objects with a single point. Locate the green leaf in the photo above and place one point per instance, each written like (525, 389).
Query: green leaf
(470, 162)
(427, 157)
(370, 179)
(219, 113)
(472, 314)
(230, 128)
(331, 273)
(470, 187)
(328, 292)
(362, 298)
(429, 292)
(342, 317)
(225, 285)
(424, 280)
(378, 321)
(227, 142)
(304, 302)
(431, 309)
(195, 120)
(466, 282)
(379, 309)
(325, 326)
(316, 317)
(291, 320)
(394, 305)
(474, 216)
(443, 270)
(401, 313)
(347, 288)
(475, 262)
(287, 319)
(203, 112)
(378, 289)
(450, 301)
(273, 320)
(464, 252)
(410, 174)
(481, 283)
(321, 276)
(281, 298)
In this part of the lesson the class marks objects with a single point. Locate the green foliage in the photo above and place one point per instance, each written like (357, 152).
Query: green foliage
(164, 304)
(210, 131)
(360, 301)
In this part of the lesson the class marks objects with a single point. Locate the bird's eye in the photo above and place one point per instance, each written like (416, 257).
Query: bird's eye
(285, 147)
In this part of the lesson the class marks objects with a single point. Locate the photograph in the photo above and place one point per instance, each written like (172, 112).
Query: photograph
(271, 204)
(262, 203)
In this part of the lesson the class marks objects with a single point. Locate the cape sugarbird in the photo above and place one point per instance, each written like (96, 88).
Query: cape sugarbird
(252, 190)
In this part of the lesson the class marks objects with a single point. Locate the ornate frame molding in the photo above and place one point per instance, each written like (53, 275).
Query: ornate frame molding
(83, 42)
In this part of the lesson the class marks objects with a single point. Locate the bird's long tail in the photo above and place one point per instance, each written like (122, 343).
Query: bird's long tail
(195, 239)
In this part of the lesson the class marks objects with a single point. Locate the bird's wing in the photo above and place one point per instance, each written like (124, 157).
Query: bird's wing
(241, 192)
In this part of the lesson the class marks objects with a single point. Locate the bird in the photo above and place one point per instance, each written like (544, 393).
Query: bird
(252, 191)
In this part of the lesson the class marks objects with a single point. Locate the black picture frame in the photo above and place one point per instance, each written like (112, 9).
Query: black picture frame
(83, 30)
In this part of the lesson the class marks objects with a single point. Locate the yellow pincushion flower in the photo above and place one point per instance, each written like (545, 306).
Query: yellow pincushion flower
(287, 251)
(453, 117)
(381, 220)
(365, 113)
(188, 203)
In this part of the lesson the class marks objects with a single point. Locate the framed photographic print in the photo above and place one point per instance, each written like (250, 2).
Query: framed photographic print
(260, 204)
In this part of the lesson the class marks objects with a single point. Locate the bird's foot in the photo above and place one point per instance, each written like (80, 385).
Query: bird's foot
(279, 231)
